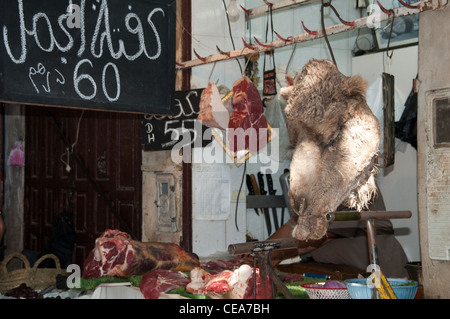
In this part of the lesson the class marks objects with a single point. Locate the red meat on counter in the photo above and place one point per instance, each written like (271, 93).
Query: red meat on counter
(161, 280)
(116, 254)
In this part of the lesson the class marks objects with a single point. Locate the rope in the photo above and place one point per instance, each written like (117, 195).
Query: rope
(322, 18)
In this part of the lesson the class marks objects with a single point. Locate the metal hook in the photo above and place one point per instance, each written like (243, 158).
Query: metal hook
(409, 6)
(350, 24)
(199, 57)
(309, 31)
(223, 52)
(388, 12)
(262, 44)
(248, 46)
(283, 39)
(245, 10)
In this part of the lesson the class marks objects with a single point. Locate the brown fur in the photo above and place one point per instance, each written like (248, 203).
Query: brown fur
(336, 138)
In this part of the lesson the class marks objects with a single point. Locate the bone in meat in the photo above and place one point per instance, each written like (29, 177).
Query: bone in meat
(115, 254)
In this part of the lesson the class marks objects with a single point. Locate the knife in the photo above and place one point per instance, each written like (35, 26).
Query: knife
(272, 192)
(251, 190)
(262, 191)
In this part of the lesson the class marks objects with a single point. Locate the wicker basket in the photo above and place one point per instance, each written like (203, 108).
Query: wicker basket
(12, 279)
(34, 277)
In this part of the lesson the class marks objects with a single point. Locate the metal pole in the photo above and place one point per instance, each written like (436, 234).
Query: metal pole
(365, 215)
(373, 253)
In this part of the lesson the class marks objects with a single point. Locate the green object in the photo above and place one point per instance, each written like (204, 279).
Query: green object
(92, 283)
(295, 288)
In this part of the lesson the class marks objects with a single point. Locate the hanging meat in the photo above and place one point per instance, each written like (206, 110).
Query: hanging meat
(212, 112)
(116, 254)
(247, 127)
(335, 138)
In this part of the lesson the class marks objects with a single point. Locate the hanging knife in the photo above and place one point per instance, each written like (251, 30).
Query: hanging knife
(272, 192)
(262, 191)
(251, 190)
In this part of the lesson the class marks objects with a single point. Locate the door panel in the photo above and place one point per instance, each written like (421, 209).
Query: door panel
(108, 145)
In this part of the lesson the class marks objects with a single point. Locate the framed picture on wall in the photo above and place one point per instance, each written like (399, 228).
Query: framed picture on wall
(397, 31)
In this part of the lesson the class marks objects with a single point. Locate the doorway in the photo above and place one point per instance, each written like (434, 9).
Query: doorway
(86, 163)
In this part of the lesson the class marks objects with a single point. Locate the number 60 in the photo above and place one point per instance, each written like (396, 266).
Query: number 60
(77, 78)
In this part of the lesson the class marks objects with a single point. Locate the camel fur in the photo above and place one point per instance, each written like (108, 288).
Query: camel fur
(335, 139)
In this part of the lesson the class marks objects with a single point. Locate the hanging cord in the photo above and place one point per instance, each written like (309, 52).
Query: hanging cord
(69, 150)
(322, 18)
(210, 74)
(231, 35)
(272, 53)
(289, 63)
(389, 55)
(239, 195)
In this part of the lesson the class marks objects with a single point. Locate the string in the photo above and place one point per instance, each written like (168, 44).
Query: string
(389, 56)
(70, 150)
(231, 35)
(210, 74)
(322, 18)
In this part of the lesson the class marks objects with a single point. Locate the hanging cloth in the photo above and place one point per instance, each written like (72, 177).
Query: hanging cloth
(270, 82)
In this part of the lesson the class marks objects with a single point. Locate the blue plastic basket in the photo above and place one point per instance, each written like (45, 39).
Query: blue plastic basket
(403, 289)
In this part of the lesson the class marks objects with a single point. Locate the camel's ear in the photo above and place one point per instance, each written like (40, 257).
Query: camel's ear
(354, 85)
(286, 92)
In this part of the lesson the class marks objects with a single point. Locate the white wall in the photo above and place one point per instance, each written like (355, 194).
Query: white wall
(433, 163)
(398, 183)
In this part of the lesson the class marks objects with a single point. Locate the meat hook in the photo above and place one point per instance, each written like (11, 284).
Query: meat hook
(262, 44)
(245, 10)
(199, 57)
(350, 24)
(328, 4)
(223, 52)
(309, 31)
(409, 6)
(283, 39)
(248, 46)
(270, 4)
(388, 12)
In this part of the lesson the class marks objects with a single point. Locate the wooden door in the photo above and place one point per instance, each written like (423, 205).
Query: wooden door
(108, 146)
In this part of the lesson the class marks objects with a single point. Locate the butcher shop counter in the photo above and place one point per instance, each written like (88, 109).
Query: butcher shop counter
(121, 288)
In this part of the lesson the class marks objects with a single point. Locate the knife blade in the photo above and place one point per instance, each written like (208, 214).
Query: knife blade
(272, 192)
(262, 191)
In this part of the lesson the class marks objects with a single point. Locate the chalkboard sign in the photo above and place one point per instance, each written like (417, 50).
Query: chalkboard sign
(116, 55)
(179, 130)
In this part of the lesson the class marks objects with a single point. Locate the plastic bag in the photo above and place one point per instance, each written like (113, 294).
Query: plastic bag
(17, 155)
(276, 117)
